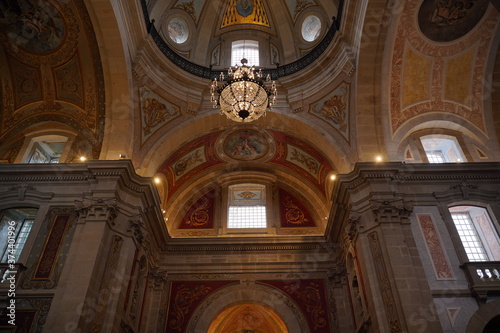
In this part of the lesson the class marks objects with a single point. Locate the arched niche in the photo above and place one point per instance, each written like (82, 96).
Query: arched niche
(263, 296)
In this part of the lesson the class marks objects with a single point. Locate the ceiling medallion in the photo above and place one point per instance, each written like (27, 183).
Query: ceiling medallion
(244, 97)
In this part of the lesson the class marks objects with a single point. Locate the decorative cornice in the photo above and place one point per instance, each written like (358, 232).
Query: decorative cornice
(245, 247)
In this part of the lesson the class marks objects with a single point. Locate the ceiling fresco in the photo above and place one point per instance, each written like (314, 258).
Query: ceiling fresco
(444, 21)
(45, 47)
(430, 74)
(251, 145)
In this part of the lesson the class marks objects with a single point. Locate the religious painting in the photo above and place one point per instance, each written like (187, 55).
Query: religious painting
(447, 20)
(155, 111)
(334, 109)
(246, 145)
(35, 26)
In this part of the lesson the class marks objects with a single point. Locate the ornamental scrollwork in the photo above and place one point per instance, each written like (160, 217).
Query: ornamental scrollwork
(310, 295)
(293, 214)
(200, 216)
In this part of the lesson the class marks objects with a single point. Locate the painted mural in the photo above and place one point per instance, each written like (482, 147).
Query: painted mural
(246, 145)
(334, 109)
(447, 20)
(446, 65)
(155, 112)
(245, 12)
(36, 26)
(47, 44)
(201, 213)
(189, 162)
(293, 213)
(297, 155)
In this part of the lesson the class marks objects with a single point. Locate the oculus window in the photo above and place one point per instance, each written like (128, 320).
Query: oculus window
(477, 232)
(442, 150)
(247, 206)
(178, 30)
(311, 28)
(248, 49)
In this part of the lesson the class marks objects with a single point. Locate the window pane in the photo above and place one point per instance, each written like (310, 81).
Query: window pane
(469, 237)
(247, 217)
(248, 49)
(435, 156)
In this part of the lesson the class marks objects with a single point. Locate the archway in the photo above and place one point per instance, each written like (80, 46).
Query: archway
(248, 318)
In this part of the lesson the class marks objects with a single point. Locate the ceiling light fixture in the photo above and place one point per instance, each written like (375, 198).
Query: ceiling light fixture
(244, 97)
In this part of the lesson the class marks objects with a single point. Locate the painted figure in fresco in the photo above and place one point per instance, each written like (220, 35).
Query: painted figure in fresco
(449, 12)
(244, 148)
(34, 26)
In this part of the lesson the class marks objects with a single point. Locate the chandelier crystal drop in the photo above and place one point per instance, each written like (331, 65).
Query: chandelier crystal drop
(244, 97)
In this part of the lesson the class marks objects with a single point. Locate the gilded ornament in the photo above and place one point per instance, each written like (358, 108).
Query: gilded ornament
(293, 213)
(200, 215)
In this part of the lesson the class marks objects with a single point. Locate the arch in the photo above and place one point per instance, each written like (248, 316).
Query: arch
(248, 317)
(484, 315)
(116, 64)
(261, 295)
(467, 142)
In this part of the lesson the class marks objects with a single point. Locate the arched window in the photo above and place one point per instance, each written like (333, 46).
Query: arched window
(248, 49)
(246, 206)
(442, 149)
(478, 234)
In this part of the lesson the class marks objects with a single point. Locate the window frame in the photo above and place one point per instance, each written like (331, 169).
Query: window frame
(245, 45)
(266, 200)
(473, 211)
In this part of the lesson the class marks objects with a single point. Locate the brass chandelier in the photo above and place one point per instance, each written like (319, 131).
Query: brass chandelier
(244, 97)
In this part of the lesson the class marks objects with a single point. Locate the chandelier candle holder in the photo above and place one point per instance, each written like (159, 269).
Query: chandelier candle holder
(244, 97)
